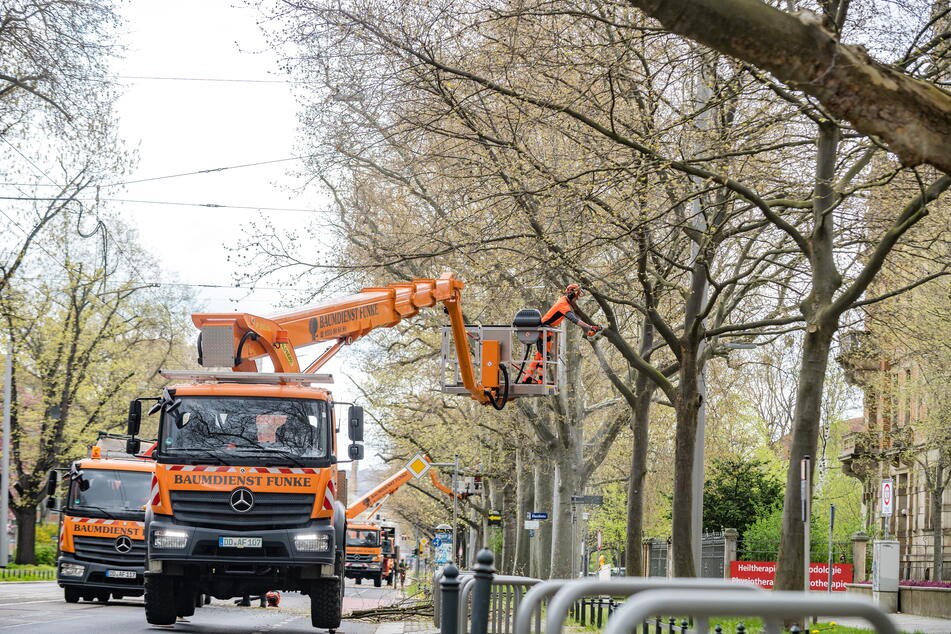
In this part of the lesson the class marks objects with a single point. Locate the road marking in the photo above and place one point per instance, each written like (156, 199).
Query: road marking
(28, 602)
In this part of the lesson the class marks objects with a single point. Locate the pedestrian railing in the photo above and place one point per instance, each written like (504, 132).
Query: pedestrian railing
(772, 607)
(479, 601)
(566, 593)
(15, 574)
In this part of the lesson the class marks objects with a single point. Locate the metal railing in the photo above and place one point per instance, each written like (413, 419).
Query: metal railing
(479, 600)
(14, 574)
(772, 607)
(567, 591)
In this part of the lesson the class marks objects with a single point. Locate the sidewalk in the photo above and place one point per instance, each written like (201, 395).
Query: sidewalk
(417, 627)
(909, 623)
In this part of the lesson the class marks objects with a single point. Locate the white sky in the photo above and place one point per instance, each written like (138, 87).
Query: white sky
(183, 126)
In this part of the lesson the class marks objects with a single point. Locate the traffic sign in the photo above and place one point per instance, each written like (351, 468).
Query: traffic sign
(437, 542)
(587, 499)
(495, 519)
(888, 497)
(533, 515)
(418, 465)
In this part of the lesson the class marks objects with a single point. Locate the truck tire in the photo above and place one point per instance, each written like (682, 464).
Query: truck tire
(326, 603)
(71, 594)
(359, 580)
(378, 580)
(184, 602)
(160, 600)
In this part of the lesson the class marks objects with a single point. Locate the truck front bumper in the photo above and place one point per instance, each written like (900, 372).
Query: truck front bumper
(97, 576)
(278, 547)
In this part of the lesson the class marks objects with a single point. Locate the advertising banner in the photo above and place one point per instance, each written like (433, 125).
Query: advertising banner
(762, 574)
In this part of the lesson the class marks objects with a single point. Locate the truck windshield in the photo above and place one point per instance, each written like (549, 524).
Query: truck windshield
(357, 537)
(111, 492)
(231, 426)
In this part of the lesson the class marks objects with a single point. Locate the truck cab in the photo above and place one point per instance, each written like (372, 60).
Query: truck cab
(245, 495)
(365, 553)
(101, 539)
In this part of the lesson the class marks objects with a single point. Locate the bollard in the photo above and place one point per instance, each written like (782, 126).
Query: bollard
(449, 600)
(483, 572)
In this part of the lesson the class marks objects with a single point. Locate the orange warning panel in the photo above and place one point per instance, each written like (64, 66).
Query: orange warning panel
(491, 355)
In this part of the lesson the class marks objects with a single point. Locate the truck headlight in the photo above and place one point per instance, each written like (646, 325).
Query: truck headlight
(169, 538)
(71, 570)
(312, 542)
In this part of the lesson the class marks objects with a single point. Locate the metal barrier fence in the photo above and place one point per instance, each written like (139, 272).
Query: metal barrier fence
(480, 597)
(772, 607)
(13, 574)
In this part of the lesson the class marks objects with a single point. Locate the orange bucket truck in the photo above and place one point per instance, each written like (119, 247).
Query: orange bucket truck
(101, 538)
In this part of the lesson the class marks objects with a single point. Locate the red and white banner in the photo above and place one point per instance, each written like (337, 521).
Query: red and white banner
(762, 574)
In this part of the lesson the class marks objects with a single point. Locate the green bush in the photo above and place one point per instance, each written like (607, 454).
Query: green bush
(45, 554)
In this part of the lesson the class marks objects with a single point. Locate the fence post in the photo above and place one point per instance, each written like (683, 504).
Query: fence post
(730, 535)
(483, 572)
(646, 558)
(859, 547)
(449, 600)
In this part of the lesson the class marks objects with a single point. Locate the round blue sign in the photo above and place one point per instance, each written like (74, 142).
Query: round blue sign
(436, 542)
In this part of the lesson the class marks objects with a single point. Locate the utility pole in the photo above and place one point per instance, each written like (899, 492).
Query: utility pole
(5, 459)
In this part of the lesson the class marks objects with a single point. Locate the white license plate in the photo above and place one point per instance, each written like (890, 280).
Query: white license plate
(121, 574)
(239, 542)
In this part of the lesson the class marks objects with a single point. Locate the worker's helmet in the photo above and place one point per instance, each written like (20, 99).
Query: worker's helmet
(573, 291)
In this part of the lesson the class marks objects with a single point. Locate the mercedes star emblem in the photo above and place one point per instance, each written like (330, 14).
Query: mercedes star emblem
(123, 544)
(242, 500)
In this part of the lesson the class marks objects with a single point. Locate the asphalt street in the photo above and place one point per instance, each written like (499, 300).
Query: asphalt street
(39, 607)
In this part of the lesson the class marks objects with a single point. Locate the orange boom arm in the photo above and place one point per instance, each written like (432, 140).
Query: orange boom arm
(237, 339)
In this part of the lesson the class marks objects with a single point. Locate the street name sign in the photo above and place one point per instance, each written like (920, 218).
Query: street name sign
(587, 499)
(535, 515)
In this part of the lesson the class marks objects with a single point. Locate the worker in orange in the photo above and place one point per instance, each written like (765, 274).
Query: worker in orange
(565, 307)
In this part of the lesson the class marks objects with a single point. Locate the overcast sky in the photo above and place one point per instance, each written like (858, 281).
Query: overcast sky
(179, 125)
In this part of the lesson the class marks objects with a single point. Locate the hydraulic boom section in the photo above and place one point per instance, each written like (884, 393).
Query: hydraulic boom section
(236, 339)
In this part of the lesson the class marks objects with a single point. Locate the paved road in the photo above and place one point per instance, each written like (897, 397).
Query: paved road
(39, 607)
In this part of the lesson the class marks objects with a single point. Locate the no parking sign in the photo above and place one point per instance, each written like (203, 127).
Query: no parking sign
(888, 497)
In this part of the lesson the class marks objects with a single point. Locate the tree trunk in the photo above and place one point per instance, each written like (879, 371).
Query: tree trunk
(688, 404)
(566, 484)
(635, 485)
(544, 489)
(815, 359)
(510, 513)
(526, 500)
(26, 535)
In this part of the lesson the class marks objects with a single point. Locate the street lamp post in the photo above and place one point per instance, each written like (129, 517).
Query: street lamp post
(5, 459)
(696, 531)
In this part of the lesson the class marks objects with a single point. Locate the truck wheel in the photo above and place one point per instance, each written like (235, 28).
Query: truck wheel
(71, 594)
(325, 603)
(378, 580)
(359, 581)
(160, 600)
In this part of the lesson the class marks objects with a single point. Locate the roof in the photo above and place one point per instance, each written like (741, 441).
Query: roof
(118, 464)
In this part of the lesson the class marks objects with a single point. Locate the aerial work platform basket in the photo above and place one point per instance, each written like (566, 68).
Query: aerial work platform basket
(506, 356)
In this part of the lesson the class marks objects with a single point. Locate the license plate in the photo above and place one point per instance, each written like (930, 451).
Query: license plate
(239, 542)
(121, 574)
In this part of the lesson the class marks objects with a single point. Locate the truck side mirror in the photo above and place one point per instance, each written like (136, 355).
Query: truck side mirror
(355, 451)
(132, 446)
(52, 481)
(355, 423)
(135, 417)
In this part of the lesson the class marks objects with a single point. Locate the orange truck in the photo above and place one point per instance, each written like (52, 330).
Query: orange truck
(101, 537)
(365, 553)
(244, 495)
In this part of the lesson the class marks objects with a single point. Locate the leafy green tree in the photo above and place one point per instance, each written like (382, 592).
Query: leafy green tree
(738, 492)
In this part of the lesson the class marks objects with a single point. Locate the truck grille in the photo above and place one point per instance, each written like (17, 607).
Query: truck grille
(270, 510)
(359, 557)
(103, 550)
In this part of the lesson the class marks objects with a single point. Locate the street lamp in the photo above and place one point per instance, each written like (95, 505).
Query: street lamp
(696, 529)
